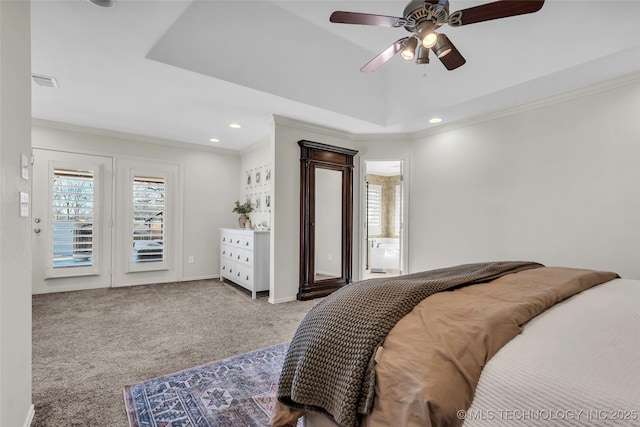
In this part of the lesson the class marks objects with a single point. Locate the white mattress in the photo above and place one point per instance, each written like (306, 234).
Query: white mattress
(576, 364)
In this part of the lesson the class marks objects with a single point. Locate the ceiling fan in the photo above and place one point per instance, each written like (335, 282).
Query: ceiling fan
(422, 18)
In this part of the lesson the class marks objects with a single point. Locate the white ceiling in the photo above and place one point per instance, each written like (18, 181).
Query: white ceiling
(183, 71)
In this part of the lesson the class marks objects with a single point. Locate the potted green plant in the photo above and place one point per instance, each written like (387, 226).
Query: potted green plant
(243, 210)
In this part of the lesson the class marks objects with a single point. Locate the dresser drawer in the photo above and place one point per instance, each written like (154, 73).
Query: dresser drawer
(227, 268)
(247, 242)
(227, 251)
(244, 274)
(244, 256)
(237, 240)
(225, 237)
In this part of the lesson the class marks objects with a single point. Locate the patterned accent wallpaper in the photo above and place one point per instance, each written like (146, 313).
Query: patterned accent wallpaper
(388, 207)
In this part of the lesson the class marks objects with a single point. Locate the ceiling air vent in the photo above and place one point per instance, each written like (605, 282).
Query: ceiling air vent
(45, 80)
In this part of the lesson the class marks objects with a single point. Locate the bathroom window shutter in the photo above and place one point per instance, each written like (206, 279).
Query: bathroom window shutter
(374, 206)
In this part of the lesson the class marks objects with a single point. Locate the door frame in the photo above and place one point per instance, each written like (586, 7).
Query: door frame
(404, 223)
(42, 282)
(117, 180)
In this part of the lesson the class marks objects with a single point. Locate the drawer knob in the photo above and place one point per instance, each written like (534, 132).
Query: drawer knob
(238, 257)
(224, 239)
(224, 267)
(247, 278)
(247, 259)
(230, 270)
(246, 244)
(238, 274)
(224, 252)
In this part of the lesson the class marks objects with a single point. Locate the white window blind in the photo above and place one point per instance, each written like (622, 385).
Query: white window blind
(72, 210)
(374, 206)
(148, 227)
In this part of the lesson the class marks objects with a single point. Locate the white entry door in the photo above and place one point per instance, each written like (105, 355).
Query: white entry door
(72, 221)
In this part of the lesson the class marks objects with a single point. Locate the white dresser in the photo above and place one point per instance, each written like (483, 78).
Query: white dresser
(244, 258)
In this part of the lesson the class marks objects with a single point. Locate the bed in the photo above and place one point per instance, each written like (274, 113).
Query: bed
(575, 363)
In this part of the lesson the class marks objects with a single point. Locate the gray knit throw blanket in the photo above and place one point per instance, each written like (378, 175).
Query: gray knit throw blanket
(329, 367)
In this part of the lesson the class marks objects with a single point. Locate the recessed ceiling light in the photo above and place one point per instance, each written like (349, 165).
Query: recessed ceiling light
(235, 126)
(214, 140)
(435, 120)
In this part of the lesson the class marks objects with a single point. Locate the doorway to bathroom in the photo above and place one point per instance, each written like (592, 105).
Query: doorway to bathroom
(384, 219)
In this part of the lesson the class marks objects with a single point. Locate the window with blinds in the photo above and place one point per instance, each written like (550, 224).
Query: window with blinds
(148, 219)
(374, 206)
(72, 209)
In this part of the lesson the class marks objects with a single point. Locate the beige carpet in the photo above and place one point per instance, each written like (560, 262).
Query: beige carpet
(87, 345)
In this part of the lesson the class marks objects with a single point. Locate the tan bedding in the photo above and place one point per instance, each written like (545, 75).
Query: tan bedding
(431, 361)
(329, 366)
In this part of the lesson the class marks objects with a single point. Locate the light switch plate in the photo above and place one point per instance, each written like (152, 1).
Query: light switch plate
(24, 166)
(24, 204)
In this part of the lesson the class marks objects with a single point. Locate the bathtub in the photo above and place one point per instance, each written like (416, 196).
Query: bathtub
(384, 254)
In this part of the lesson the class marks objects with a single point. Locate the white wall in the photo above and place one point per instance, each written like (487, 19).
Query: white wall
(209, 188)
(255, 158)
(15, 232)
(558, 184)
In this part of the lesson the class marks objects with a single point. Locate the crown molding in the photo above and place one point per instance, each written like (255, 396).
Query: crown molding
(626, 80)
(630, 79)
(130, 137)
(337, 133)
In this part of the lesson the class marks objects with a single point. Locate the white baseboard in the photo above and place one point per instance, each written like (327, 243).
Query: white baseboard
(188, 279)
(278, 301)
(30, 415)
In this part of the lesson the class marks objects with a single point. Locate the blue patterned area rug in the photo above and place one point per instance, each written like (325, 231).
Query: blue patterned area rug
(238, 391)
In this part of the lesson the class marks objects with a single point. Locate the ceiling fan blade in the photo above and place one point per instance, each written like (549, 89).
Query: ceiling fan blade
(495, 10)
(384, 56)
(366, 19)
(453, 59)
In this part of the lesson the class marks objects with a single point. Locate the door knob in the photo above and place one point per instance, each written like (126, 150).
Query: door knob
(36, 230)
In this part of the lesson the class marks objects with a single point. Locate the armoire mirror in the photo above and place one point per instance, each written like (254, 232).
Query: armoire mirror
(326, 218)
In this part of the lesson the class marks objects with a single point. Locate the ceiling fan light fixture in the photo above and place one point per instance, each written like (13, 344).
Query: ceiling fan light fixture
(423, 55)
(429, 40)
(409, 50)
(442, 46)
